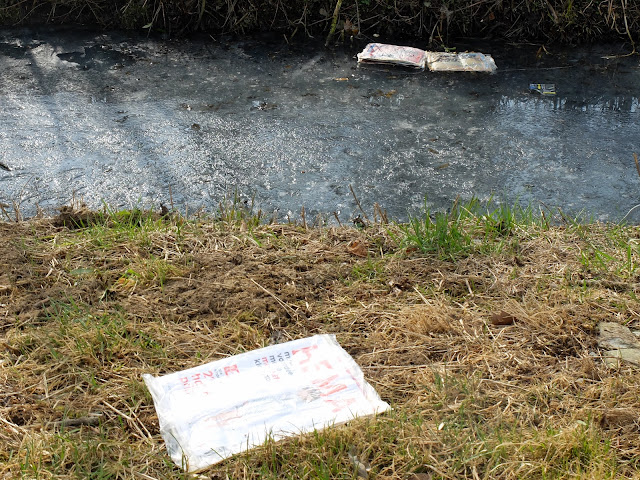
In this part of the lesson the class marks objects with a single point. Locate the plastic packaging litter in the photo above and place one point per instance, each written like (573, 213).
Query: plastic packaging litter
(382, 53)
(543, 88)
(213, 411)
(460, 62)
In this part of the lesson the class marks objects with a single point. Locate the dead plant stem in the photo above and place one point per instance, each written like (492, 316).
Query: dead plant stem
(358, 204)
(334, 22)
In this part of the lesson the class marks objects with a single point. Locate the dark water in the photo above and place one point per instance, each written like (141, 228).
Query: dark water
(132, 121)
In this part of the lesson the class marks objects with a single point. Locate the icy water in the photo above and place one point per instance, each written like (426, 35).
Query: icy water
(132, 121)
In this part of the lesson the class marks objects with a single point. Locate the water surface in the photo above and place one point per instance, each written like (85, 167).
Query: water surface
(129, 121)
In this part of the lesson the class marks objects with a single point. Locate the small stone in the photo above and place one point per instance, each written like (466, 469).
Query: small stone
(613, 335)
(613, 357)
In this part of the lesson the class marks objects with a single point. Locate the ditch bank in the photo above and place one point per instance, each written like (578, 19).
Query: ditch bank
(438, 21)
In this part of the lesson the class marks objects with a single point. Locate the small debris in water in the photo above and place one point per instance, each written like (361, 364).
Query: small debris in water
(443, 166)
(195, 126)
(543, 88)
(257, 105)
(379, 93)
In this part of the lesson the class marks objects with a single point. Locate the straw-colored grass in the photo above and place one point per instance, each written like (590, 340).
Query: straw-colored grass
(85, 311)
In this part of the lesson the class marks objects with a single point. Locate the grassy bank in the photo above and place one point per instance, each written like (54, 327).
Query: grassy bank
(436, 22)
(478, 327)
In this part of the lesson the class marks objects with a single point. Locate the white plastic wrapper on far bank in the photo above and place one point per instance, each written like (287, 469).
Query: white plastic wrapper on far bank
(213, 411)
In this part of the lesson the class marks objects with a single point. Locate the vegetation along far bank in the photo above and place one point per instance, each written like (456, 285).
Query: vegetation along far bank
(434, 21)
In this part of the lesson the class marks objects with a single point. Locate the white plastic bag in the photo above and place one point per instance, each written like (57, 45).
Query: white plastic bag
(392, 54)
(460, 62)
(213, 411)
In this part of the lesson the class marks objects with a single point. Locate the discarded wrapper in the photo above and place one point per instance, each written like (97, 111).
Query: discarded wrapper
(543, 88)
(460, 62)
(382, 53)
(213, 411)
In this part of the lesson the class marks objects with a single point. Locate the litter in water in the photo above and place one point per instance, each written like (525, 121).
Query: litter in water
(210, 412)
(460, 62)
(380, 53)
(543, 88)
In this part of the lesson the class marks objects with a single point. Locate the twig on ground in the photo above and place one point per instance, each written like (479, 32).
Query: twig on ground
(93, 419)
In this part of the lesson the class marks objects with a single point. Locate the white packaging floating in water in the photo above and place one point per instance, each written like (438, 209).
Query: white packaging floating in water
(381, 53)
(213, 411)
(393, 54)
(460, 62)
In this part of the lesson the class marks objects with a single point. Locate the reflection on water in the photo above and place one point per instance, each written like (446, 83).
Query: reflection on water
(135, 121)
(628, 104)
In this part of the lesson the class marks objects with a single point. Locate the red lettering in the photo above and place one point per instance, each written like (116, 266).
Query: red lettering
(327, 387)
(326, 364)
(305, 350)
(185, 384)
(340, 404)
(231, 369)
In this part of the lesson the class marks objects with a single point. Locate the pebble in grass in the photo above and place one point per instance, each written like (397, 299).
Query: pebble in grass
(620, 342)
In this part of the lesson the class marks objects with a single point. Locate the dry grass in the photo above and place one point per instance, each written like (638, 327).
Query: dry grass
(84, 312)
